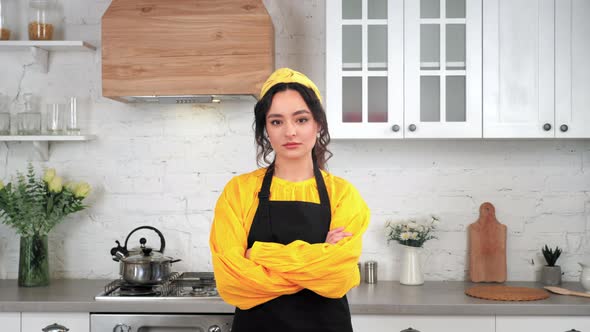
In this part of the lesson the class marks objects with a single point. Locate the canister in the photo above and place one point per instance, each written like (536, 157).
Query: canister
(371, 272)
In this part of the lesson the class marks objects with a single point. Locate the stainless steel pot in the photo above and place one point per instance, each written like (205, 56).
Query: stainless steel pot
(144, 266)
(147, 267)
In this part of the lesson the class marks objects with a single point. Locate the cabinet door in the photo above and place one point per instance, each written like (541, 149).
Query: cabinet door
(389, 323)
(37, 321)
(542, 324)
(572, 69)
(10, 321)
(443, 59)
(364, 68)
(518, 68)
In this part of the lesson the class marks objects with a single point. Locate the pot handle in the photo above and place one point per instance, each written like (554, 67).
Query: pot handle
(162, 241)
(175, 260)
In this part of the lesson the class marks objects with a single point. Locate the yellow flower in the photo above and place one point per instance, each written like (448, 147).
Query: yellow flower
(82, 190)
(55, 185)
(49, 175)
(1, 185)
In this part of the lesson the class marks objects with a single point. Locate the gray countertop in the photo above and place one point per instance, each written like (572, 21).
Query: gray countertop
(385, 297)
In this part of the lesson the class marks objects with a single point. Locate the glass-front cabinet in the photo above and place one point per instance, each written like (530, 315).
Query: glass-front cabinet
(364, 67)
(400, 68)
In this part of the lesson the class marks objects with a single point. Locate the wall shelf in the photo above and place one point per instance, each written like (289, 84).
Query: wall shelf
(40, 49)
(41, 142)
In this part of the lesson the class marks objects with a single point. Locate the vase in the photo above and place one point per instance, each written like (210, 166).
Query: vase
(33, 266)
(551, 275)
(411, 266)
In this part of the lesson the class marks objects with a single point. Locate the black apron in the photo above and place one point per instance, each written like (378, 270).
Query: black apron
(284, 222)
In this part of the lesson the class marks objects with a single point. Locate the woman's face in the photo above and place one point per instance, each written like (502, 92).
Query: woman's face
(290, 125)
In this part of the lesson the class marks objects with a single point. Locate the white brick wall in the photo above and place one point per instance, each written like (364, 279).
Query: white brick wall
(166, 165)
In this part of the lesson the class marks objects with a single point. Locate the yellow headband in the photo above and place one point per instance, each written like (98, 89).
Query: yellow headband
(287, 75)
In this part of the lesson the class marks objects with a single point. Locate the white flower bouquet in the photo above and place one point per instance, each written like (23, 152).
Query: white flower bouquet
(412, 232)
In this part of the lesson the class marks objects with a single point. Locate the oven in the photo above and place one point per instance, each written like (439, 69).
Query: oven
(160, 322)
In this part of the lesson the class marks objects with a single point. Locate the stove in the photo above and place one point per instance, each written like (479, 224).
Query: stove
(178, 286)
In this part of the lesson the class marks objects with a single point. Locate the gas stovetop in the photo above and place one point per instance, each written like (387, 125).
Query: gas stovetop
(179, 286)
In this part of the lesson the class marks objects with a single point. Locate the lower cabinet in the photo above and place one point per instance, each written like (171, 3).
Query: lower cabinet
(10, 321)
(37, 321)
(388, 323)
(542, 324)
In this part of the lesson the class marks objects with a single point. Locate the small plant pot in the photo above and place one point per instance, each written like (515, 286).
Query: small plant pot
(551, 275)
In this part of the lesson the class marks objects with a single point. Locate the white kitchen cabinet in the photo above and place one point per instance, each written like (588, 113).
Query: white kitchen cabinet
(364, 68)
(542, 323)
(10, 321)
(37, 321)
(400, 68)
(518, 68)
(443, 59)
(572, 68)
(378, 323)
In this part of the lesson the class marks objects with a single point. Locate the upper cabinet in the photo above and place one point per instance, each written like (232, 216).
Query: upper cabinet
(400, 69)
(518, 68)
(572, 68)
(443, 68)
(364, 66)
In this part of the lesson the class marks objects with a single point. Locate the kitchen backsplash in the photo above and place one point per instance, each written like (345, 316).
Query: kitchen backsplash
(166, 165)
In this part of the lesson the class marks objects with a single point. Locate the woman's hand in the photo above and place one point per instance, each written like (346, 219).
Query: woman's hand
(337, 234)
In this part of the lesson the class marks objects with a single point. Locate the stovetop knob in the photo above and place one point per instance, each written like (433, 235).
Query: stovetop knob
(122, 328)
(214, 328)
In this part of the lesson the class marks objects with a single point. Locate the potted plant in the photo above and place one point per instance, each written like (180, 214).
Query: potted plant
(411, 235)
(33, 206)
(551, 273)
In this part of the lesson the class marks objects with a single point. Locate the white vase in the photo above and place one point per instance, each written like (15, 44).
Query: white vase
(411, 266)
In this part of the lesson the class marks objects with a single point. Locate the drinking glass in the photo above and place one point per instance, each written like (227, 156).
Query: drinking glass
(72, 126)
(56, 115)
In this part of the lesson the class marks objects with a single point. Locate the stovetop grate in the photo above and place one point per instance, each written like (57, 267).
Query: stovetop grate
(178, 286)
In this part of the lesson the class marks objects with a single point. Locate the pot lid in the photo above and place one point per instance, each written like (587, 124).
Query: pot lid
(147, 256)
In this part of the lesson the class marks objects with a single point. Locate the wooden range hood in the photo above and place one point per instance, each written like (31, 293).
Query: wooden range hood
(182, 51)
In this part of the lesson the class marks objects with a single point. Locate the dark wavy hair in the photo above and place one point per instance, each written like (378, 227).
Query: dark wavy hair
(320, 152)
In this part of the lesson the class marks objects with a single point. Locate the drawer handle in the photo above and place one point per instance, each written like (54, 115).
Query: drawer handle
(55, 327)
(411, 127)
(409, 329)
(572, 330)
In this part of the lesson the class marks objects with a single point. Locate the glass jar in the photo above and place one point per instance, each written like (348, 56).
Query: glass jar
(5, 28)
(42, 19)
(29, 121)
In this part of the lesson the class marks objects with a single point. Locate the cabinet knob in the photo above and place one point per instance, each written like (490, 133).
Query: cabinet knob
(395, 128)
(412, 127)
(55, 327)
(409, 329)
(563, 128)
(572, 330)
(547, 127)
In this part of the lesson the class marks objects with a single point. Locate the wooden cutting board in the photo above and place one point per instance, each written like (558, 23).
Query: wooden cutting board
(487, 247)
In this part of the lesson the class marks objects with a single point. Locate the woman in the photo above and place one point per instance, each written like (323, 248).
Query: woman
(286, 239)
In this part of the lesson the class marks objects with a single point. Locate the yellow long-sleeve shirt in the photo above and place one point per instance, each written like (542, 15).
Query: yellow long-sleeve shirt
(275, 269)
